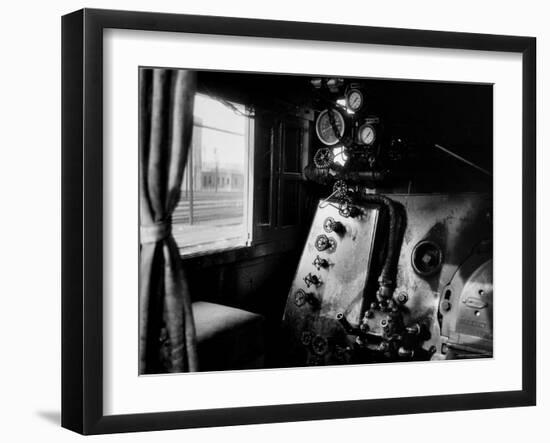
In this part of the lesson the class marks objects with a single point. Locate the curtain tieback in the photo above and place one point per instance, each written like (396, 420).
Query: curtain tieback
(155, 232)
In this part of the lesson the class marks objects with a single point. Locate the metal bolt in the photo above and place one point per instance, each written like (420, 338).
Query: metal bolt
(428, 259)
(414, 329)
(402, 298)
(445, 305)
(404, 353)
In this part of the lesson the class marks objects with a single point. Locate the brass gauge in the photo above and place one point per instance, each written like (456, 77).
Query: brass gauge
(326, 124)
(354, 100)
(366, 135)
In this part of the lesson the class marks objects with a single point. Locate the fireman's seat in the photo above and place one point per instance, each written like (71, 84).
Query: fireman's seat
(228, 338)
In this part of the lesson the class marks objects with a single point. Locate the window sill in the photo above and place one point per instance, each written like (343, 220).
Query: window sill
(237, 254)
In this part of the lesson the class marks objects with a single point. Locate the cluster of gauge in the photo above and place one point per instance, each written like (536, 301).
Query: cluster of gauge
(332, 125)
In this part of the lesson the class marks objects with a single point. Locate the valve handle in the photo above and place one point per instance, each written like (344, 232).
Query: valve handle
(312, 280)
(320, 263)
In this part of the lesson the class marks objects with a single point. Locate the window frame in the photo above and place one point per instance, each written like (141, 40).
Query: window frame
(273, 231)
(248, 187)
(264, 238)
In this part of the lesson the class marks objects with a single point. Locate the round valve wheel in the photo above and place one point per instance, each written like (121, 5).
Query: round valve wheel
(328, 224)
(307, 337)
(322, 242)
(323, 158)
(331, 225)
(300, 298)
(319, 345)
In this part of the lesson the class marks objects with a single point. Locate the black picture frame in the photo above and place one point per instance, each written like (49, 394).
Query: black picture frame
(82, 218)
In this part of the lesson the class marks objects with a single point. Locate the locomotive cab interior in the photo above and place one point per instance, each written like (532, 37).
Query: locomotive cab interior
(327, 221)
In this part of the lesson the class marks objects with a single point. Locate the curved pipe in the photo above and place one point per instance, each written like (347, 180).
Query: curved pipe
(386, 283)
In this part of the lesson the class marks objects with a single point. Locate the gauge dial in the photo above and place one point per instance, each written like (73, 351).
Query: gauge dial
(354, 100)
(366, 134)
(324, 127)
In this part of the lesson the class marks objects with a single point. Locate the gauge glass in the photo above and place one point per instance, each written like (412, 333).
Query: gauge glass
(324, 128)
(367, 135)
(355, 100)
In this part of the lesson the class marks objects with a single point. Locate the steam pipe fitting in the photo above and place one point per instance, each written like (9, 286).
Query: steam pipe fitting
(385, 281)
(350, 330)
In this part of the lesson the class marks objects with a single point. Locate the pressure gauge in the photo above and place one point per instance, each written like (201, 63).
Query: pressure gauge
(366, 134)
(326, 125)
(354, 100)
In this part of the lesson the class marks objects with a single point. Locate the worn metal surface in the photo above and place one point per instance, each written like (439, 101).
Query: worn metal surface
(459, 224)
(445, 233)
(312, 333)
(466, 310)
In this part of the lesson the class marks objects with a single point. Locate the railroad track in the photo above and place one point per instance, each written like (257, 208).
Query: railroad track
(208, 206)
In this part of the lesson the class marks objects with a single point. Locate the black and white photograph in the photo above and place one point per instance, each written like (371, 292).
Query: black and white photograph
(293, 221)
(266, 222)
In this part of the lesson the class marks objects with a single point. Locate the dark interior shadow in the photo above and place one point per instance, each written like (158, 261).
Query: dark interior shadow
(53, 417)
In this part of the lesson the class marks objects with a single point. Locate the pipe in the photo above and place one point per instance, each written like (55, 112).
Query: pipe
(347, 325)
(385, 281)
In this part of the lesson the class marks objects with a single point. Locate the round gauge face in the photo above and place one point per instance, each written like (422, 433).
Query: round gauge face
(324, 127)
(367, 134)
(354, 100)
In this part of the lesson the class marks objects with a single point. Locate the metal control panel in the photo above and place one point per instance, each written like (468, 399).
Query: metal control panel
(331, 278)
(439, 307)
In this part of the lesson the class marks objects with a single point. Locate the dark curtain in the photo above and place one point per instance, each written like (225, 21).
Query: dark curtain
(167, 331)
